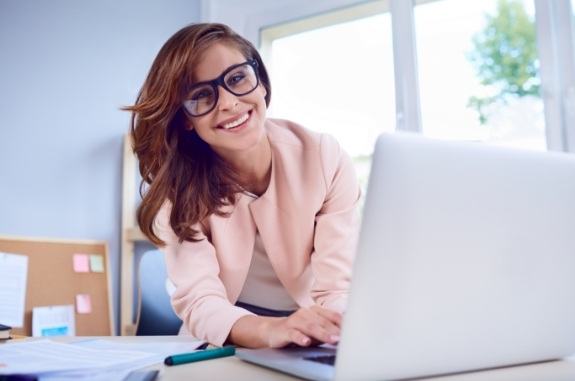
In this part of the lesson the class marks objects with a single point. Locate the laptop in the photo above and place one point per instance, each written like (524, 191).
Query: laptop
(466, 261)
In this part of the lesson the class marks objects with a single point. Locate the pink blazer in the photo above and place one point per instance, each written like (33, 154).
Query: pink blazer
(308, 222)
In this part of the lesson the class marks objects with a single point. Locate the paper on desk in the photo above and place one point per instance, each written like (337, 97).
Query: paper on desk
(45, 356)
(160, 350)
(13, 273)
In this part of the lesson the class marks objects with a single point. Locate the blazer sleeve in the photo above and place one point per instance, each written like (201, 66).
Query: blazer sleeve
(200, 298)
(337, 228)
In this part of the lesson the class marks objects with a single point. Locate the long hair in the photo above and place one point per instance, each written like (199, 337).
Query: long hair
(175, 164)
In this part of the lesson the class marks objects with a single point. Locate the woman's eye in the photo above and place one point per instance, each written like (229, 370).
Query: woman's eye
(236, 78)
(201, 95)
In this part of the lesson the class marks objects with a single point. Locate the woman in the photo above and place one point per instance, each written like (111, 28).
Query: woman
(256, 216)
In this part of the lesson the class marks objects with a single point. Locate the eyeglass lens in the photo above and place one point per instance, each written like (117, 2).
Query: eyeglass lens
(239, 81)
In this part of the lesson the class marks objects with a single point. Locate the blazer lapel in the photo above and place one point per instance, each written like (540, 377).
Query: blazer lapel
(281, 232)
(235, 242)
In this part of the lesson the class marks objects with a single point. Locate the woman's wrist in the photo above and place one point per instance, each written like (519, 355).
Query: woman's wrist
(252, 331)
(263, 329)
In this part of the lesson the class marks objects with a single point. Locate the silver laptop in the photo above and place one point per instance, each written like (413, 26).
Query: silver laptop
(466, 261)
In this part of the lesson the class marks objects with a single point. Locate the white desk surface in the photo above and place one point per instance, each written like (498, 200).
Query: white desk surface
(232, 368)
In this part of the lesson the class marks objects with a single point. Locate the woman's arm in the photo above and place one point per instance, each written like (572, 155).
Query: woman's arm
(336, 228)
(200, 298)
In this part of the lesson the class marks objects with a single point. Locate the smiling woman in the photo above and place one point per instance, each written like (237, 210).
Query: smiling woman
(257, 217)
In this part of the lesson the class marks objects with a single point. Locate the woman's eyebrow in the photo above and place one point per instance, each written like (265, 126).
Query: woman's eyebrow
(219, 75)
(195, 82)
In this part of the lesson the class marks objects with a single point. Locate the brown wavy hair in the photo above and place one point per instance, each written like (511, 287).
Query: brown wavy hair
(175, 163)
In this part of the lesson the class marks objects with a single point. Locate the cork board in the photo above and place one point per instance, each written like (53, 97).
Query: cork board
(52, 280)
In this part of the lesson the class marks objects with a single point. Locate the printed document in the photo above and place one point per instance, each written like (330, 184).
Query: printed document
(13, 273)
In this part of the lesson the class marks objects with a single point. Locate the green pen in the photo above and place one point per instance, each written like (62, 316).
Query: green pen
(206, 354)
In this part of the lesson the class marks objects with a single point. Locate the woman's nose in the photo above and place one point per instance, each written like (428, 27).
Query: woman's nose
(227, 100)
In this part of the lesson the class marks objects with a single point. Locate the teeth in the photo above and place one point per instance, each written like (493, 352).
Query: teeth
(236, 122)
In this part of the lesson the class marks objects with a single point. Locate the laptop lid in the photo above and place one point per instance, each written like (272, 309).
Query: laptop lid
(466, 260)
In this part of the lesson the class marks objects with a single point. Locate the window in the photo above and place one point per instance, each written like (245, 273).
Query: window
(337, 79)
(449, 86)
(478, 71)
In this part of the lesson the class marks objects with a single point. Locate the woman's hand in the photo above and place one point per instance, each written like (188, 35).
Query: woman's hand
(304, 327)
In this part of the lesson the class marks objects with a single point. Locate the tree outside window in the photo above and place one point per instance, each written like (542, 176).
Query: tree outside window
(505, 58)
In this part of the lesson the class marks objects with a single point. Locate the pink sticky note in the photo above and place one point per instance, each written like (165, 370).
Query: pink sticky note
(81, 263)
(83, 304)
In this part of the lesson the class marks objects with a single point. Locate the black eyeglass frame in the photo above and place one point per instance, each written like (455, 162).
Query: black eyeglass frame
(214, 83)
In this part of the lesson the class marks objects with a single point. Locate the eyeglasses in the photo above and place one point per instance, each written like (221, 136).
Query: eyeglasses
(240, 79)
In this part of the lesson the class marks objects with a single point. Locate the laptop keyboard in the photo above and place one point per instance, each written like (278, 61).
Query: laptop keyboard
(325, 359)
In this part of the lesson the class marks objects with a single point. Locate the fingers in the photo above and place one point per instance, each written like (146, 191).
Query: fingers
(299, 338)
(305, 327)
(283, 334)
(331, 321)
(332, 316)
(316, 324)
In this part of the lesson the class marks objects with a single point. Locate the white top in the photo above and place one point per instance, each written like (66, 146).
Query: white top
(262, 287)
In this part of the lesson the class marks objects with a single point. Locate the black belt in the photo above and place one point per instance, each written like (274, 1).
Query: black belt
(261, 311)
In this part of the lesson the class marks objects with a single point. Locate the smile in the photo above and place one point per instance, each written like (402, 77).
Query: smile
(237, 122)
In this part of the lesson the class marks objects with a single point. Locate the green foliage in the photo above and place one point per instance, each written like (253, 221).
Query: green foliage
(505, 56)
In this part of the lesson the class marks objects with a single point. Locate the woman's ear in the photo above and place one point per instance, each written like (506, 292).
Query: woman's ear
(189, 125)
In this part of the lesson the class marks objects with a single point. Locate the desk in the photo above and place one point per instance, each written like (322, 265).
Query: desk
(232, 368)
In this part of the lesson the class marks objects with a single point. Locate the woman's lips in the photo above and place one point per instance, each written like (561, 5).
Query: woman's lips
(236, 122)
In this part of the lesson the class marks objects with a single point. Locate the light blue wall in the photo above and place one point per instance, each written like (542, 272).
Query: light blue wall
(66, 67)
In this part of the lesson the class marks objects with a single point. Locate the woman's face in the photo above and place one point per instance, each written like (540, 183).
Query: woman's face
(237, 122)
